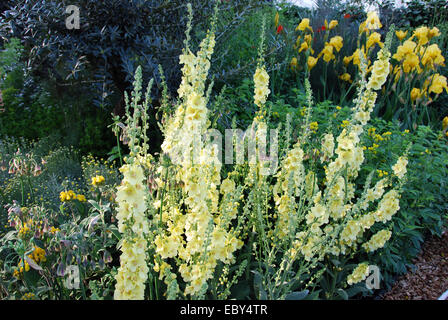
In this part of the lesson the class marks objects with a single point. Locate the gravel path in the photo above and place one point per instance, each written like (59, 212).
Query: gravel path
(430, 278)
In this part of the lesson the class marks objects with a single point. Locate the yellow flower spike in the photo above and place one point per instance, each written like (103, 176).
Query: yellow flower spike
(401, 34)
(276, 19)
(333, 24)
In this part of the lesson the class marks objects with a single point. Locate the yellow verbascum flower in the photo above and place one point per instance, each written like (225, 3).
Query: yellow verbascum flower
(261, 80)
(377, 241)
(97, 181)
(380, 71)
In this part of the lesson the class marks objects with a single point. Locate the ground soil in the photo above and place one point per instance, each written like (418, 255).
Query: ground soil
(428, 280)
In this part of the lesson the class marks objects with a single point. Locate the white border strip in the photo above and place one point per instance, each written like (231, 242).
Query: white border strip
(444, 296)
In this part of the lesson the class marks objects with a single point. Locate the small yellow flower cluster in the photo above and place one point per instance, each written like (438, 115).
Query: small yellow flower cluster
(382, 173)
(21, 268)
(132, 222)
(24, 230)
(314, 126)
(28, 296)
(377, 241)
(38, 255)
(359, 274)
(54, 230)
(71, 195)
(97, 181)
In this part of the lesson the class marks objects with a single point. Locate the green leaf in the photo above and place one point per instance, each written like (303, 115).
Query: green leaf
(297, 295)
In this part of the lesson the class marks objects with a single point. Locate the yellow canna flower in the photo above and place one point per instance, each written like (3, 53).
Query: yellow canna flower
(416, 93)
(373, 39)
(311, 62)
(401, 34)
(422, 34)
(333, 24)
(445, 123)
(406, 48)
(336, 42)
(327, 52)
(293, 63)
(303, 46)
(373, 21)
(304, 24)
(432, 55)
(411, 63)
(308, 39)
(346, 77)
(434, 32)
(298, 41)
(362, 28)
(438, 84)
(347, 60)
